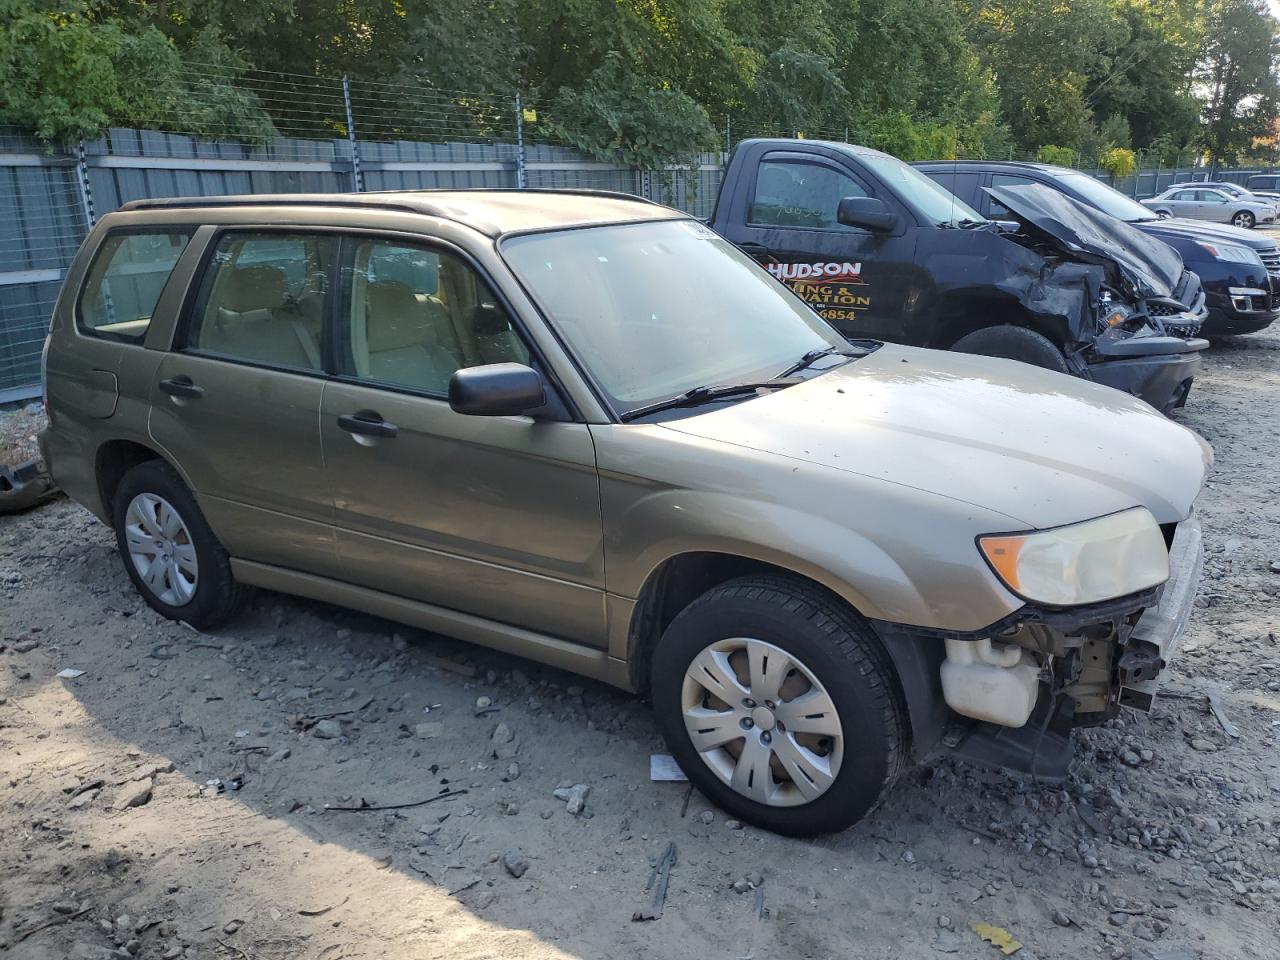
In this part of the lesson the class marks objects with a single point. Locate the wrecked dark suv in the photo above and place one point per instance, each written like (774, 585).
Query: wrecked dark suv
(881, 251)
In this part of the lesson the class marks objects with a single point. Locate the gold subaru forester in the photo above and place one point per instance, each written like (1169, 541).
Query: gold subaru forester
(585, 429)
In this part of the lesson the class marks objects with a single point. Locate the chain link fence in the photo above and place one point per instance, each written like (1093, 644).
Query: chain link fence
(264, 132)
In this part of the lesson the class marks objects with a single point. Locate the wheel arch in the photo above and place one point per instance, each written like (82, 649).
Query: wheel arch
(682, 578)
(969, 314)
(113, 460)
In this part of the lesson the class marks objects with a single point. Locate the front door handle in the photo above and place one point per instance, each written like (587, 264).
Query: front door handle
(367, 423)
(181, 386)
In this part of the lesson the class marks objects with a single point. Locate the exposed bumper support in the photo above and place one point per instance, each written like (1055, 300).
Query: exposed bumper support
(1162, 626)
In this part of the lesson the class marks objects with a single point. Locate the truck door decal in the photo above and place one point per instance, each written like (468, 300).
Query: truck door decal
(835, 290)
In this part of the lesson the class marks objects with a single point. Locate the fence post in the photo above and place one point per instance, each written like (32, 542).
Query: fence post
(522, 177)
(357, 176)
(82, 184)
(728, 133)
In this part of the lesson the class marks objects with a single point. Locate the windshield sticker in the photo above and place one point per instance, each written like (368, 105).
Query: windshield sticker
(835, 290)
(699, 230)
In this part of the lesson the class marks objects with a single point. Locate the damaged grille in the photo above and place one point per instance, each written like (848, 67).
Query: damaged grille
(1181, 319)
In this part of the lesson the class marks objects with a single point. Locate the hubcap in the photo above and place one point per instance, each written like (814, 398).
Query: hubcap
(762, 722)
(161, 550)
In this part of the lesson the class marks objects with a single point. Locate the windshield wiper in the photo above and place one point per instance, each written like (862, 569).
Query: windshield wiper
(817, 354)
(968, 224)
(706, 394)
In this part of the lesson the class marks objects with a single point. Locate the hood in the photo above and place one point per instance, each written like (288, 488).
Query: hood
(1208, 231)
(1152, 266)
(1043, 448)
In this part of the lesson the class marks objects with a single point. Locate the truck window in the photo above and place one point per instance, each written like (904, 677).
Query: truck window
(998, 209)
(125, 282)
(795, 194)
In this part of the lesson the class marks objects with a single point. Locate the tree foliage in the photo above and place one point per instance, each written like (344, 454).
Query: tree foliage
(644, 79)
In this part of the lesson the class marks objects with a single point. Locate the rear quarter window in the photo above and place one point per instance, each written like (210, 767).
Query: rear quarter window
(125, 281)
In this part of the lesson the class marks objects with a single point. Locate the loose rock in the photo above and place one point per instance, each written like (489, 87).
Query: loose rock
(329, 729)
(515, 863)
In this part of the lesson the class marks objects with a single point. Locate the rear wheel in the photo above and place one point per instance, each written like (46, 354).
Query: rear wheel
(1163, 214)
(780, 705)
(1014, 343)
(169, 552)
(1243, 219)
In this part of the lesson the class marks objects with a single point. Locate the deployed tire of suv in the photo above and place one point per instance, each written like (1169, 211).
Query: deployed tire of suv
(780, 705)
(170, 553)
(1014, 343)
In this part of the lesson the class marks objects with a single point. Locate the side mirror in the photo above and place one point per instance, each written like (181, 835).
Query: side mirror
(867, 213)
(496, 390)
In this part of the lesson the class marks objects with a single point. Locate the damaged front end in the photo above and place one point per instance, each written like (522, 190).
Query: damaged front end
(1130, 309)
(1017, 689)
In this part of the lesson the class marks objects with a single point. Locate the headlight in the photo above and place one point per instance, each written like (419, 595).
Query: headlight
(1231, 251)
(1082, 563)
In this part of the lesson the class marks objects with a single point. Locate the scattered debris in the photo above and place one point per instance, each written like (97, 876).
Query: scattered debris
(998, 937)
(515, 863)
(327, 729)
(430, 730)
(323, 910)
(70, 673)
(663, 768)
(134, 796)
(1215, 704)
(658, 881)
(366, 807)
(574, 797)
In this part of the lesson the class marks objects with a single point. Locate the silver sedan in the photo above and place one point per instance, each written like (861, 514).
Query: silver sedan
(1201, 203)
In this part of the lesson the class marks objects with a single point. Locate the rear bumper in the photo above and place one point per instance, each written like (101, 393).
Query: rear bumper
(24, 486)
(1158, 370)
(1163, 625)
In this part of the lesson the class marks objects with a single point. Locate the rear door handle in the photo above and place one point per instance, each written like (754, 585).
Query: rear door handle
(367, 423)
(754, 249)
(181, 386)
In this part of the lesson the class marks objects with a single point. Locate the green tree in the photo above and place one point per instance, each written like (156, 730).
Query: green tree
(1238, 69)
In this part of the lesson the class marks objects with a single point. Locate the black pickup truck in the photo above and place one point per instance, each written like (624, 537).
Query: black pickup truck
(883, 252)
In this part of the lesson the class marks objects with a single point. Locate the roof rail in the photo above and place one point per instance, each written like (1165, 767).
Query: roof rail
(363, 199)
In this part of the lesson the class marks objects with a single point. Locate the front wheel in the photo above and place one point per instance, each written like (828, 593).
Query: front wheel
(1243, 219)
(780, 705)
(1163, 214)
(1014, 343)
(169, 551)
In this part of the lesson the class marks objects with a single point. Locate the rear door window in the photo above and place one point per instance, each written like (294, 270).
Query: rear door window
(125, 282)
(263, 299)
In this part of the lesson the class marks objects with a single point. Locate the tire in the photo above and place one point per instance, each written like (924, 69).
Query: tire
(821, 639)
(1163, 214)
(1014, 343)
(1243, 219)
(153, 489)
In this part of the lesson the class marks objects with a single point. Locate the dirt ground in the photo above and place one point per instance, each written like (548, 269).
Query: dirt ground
(1165, 843)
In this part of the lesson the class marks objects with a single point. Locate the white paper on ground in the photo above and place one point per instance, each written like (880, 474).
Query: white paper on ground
(70, 673)
(662, 766)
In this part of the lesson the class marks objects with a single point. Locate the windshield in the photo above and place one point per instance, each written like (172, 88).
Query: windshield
(930, 200)
(653, 309)
(1098, 194)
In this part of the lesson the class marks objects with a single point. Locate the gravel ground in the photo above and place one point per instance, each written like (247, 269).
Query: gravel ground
(178, 798)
